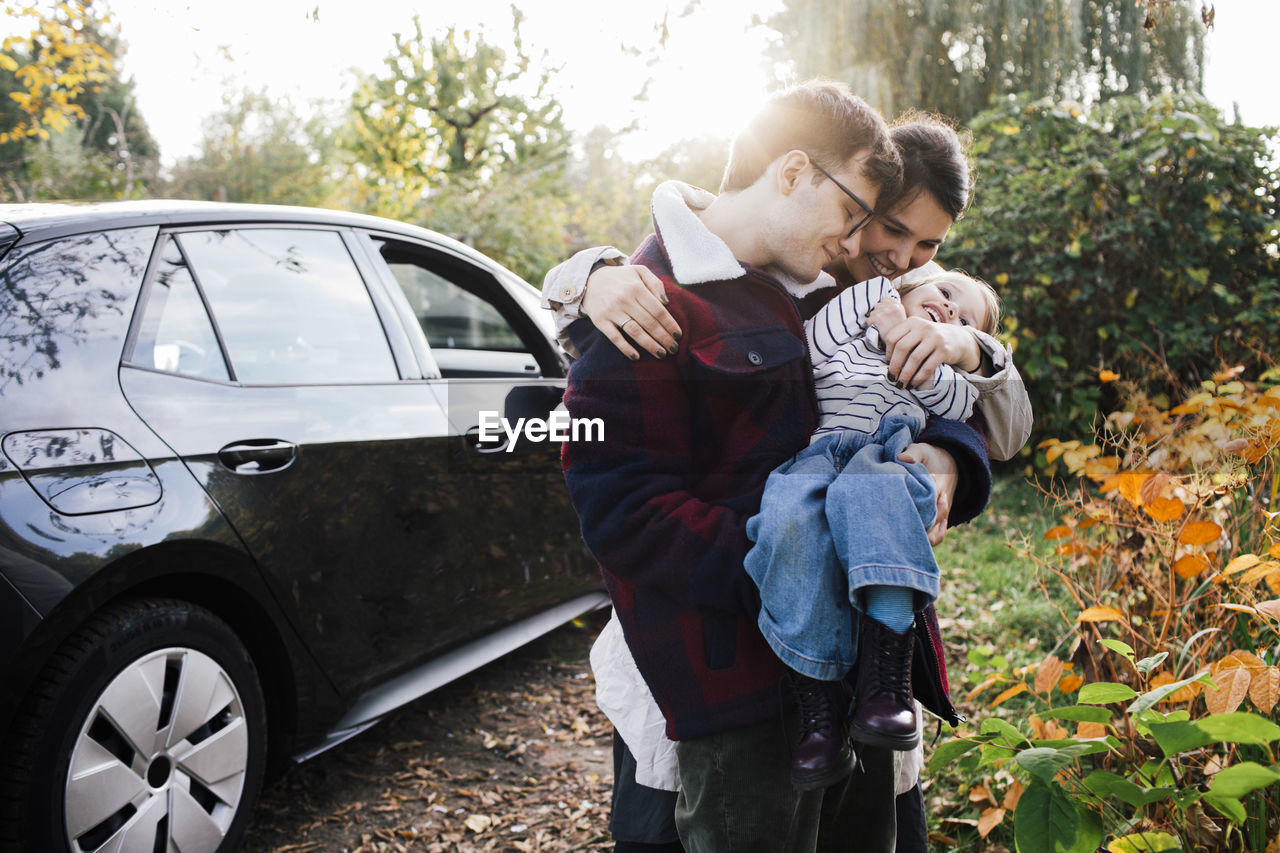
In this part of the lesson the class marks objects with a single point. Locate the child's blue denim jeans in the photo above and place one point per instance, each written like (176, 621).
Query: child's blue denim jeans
(841, 515)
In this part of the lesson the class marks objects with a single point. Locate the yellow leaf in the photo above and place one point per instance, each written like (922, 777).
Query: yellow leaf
(1165, 509)
(1190, 565)
(1100, 614)
(1108, 376)
(1048, 674)
(8, 63)
(1199, 533)
(1059, 532)
(1233, 686)
(1264, 689)
(1002, 279)
(1101, 469)
(989, 820)
(1077, 457)
(1275, 550)
(1240, 657)
(1070, 683)
(1020, 687)
(1239, 564)
(1260, 571)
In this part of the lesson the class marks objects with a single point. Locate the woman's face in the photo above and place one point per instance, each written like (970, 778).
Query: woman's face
(901, 240)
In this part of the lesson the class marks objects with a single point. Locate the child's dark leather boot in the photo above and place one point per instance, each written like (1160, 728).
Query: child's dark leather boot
(822, 755)
(884, 713)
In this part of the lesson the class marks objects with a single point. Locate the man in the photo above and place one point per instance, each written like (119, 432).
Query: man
(689, 441)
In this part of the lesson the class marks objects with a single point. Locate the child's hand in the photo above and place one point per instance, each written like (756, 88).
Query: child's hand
(886, 315)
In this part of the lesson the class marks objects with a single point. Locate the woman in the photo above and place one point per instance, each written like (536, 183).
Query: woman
(625, 303)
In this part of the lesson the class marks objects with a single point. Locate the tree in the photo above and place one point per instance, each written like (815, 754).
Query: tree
(259, 150)
(87, 141)
(1141, 236)
(957, 58)
(53, 66)
(453, 131)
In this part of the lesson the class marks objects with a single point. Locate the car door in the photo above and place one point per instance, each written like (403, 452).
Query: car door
(271, 359)
(487, 338)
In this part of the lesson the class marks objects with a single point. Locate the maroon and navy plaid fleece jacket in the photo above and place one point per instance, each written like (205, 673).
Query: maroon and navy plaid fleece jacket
(663, 500)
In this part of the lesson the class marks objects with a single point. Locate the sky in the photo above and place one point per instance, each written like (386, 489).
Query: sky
(186, 56)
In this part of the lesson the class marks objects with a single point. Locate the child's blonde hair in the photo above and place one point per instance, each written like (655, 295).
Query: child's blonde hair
(990, 323)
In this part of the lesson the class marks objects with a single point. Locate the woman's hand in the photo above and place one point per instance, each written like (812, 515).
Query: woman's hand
(942, 466)
(627, 304)
(915, 348)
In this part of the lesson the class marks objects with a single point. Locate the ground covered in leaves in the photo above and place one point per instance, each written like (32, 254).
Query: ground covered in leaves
(514, 757)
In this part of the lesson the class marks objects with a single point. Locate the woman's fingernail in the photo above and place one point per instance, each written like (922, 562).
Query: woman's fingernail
(634, 357)
(892, 378)
(673, 350)
(665, 300)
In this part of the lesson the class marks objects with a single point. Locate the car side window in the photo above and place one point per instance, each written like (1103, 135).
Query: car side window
(464, 312)
(290, 304)
(175, 334)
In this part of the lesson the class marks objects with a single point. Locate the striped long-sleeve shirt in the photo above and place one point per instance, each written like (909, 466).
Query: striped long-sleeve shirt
(851, 373)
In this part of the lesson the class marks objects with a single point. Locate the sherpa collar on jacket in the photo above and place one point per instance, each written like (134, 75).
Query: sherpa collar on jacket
(698, 256)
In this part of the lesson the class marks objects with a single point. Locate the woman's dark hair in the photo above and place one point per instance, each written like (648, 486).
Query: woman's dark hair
(933, 161)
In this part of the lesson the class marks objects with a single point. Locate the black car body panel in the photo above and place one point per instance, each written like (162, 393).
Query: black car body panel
(350, 531)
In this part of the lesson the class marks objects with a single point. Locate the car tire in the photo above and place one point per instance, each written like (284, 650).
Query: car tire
(146, 731)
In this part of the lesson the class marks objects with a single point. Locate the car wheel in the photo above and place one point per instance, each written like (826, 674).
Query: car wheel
(147, 731)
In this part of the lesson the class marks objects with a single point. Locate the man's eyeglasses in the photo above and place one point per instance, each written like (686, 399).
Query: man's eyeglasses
(857, 226)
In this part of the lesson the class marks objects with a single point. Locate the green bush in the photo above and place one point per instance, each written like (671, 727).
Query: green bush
(1132, 236)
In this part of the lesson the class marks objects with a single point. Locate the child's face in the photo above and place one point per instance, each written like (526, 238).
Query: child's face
(956, 302)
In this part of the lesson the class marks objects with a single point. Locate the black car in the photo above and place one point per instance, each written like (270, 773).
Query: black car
(253, 496)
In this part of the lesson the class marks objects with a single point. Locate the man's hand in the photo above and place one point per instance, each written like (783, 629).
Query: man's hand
(915, 348)
(945, 475)
(628, 302)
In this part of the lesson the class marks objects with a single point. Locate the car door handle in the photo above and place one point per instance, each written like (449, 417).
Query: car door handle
(474, 443)
(258, 455)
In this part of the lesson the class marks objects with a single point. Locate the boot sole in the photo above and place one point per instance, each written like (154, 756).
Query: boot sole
(897, 743)
(814, 781)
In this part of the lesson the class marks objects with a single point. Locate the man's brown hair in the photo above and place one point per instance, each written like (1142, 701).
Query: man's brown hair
(824, 120)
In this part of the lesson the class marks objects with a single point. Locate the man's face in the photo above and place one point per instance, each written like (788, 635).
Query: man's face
(810, 226)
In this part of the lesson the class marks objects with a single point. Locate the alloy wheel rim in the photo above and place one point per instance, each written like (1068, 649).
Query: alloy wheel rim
(160, 761)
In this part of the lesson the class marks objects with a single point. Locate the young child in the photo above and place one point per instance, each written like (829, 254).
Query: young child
(843, 525)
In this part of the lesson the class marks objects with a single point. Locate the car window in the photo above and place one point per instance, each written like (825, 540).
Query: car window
(175, 334)
(466, 315)
(290, 305)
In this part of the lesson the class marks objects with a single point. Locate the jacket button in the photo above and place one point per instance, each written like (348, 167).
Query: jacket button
(568, 293)
(755, 358)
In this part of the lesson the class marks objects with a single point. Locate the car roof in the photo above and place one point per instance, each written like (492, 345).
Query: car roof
(48, 220)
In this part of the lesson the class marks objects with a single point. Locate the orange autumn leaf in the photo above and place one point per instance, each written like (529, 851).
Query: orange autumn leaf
(1275, 550)
(1102, 468)
(1012, 795)
(1005, 695)
(1264, 689)
(1200, 533)
(990, 680)
(1048, 674)
(1165, 509)
(1062, 531)
(1100, 613)
(1070, 683)
(1087, 729)
(1108, 375)
(989, 820)
(980, 793)
(1233, 686)
(1260, 571)
(1240, 657)
(1130, 485)
(1190, 565)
